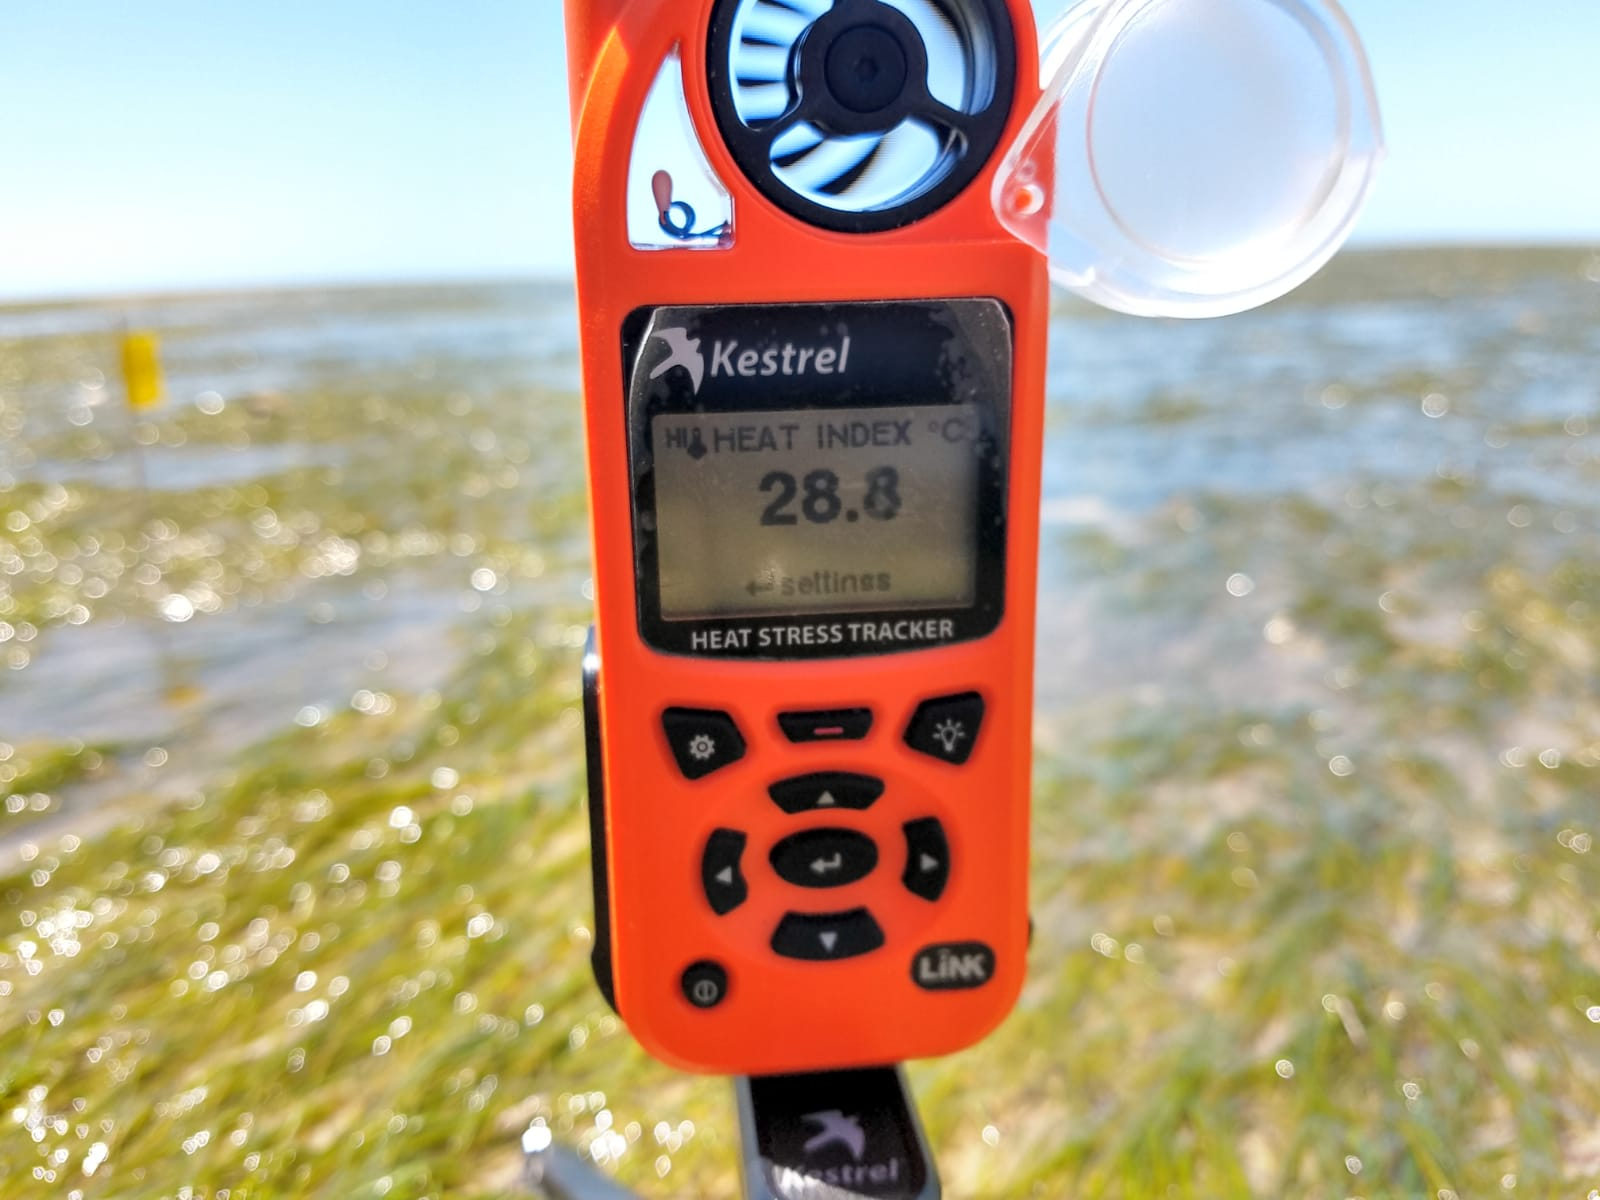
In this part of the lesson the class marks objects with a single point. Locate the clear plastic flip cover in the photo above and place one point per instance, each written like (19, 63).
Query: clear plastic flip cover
(1194, 158)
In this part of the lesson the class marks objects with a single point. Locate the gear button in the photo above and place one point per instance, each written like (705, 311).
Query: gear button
(702, 740)
(947, 728)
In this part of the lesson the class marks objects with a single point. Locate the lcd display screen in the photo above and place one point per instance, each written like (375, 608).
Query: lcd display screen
(817, 510)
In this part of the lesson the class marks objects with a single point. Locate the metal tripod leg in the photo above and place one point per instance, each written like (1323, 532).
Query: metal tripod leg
(555, 1172)
(834, 1135)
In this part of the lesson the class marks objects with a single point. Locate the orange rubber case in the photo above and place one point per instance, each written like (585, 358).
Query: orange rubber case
(781, 1015)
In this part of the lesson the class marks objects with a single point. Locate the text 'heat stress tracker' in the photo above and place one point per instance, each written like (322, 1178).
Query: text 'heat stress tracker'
(813, 366)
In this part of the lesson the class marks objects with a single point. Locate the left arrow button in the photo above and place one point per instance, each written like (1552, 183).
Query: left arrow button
(719, 871)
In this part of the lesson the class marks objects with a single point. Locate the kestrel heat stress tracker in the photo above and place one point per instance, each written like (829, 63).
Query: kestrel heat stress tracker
(813, 365)
(814, 240)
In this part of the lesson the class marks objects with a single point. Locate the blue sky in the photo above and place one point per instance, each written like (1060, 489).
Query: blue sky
(189, 143)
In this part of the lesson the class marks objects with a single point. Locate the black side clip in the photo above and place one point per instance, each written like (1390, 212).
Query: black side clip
(600, 954)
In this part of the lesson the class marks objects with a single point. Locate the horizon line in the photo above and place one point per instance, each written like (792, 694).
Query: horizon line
(566, 276)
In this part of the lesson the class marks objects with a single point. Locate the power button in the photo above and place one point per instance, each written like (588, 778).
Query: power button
(705, 984)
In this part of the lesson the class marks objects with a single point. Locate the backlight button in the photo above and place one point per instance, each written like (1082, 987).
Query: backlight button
(702, 740)
(946, 728)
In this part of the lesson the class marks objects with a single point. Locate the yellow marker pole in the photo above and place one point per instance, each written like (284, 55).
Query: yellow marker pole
(141, 370)
(142, 384)
(144, 387)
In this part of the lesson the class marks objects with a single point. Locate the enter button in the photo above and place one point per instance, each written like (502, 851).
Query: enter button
(824, 858)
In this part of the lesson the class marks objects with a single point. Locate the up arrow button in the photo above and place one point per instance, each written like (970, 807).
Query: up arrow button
(825, 789)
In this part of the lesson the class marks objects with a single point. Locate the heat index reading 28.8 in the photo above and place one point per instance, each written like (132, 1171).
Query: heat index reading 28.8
(821, 503)
(816, 511)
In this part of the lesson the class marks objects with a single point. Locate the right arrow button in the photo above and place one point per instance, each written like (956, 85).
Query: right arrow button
(927, 858)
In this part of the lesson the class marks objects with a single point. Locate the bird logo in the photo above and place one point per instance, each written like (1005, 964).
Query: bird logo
(836, 1127)
(684, 352)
